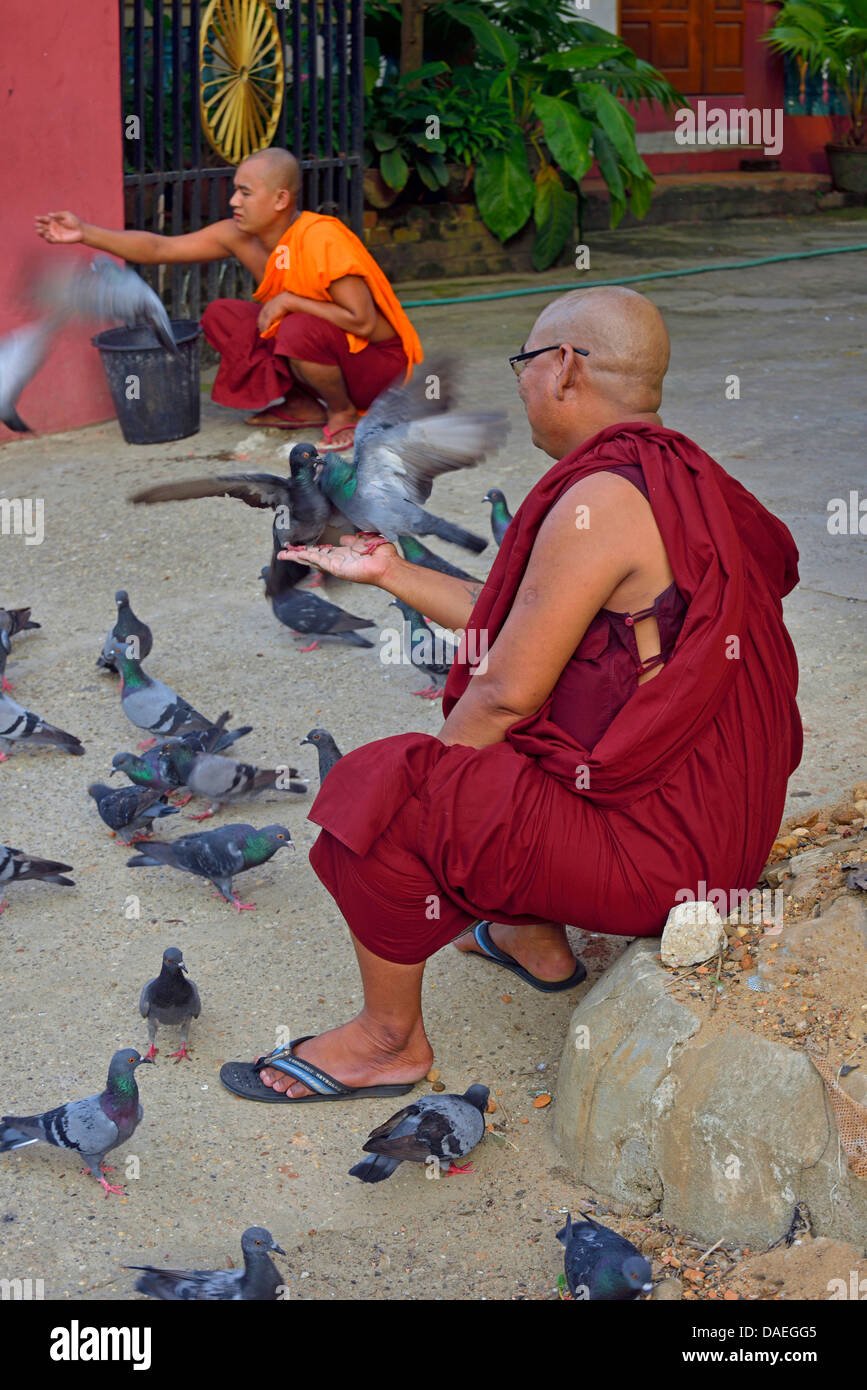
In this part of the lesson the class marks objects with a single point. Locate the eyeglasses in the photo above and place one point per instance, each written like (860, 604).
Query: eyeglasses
(525, 356)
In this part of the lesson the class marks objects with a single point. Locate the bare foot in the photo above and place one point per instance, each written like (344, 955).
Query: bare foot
(358, 1055)
(543, 949)
(294, 412)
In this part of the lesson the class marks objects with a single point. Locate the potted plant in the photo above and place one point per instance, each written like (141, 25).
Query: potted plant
(830, 36)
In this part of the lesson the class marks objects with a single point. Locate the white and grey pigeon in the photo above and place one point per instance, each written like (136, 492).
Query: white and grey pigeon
(128, 631)
(90, 1127)
(602, 1265)
(15, 866)
(105, 290)
(259, 1281)
(12, 621)
(221, 780)
(403, 443)
(130, 809)
(217, 854)
(436, 1128)
(172, 999)
(20, 725)
(147, 702)
(22, 353)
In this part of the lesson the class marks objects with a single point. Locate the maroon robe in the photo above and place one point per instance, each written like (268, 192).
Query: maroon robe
(683, 791)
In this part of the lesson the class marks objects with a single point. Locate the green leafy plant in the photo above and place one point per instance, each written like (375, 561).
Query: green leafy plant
(829, 36)
(398, 129)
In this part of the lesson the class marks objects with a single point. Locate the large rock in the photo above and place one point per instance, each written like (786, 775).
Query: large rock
(721, 1134)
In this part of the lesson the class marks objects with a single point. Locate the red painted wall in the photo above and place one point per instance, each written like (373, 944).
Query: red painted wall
(60, 147)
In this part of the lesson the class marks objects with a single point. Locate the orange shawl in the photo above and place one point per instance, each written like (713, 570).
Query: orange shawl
(316, 250)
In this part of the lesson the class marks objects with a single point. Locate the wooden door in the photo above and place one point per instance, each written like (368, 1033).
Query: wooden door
(697, 44)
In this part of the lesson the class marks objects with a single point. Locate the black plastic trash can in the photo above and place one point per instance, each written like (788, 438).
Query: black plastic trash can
(156, 396)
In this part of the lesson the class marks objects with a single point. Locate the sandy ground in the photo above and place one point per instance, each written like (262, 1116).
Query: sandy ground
(74, 963)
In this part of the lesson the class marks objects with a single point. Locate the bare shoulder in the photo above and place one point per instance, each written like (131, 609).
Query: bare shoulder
(248, 249)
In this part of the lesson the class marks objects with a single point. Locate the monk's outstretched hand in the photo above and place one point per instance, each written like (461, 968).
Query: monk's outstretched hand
(60, 228)
(350, 560)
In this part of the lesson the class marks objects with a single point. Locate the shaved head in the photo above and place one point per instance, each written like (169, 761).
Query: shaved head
(626, 339)
(277, 168)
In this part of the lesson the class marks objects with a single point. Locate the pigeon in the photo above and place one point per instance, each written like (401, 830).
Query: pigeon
(602, 1265)
(403, 443)
(217, 855)
(303, 513)
(22, 353)
(91, 1127)
(259, 1281)
(128, 631)
(148, 703)
(130, 809)
(424, 647)
(106, 290)
(222, 779)
(307, 613)
(21, 725)
(327, 749)
(440, 1127)
(170, 999)
(418, 554)
(148, 772)
(500, 514)
(12, 621)
(15, 864)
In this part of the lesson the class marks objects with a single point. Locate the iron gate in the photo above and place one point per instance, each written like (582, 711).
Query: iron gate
(174, 181)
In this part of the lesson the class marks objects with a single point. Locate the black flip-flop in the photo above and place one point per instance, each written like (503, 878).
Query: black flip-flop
(490, 951)
(243, 1079)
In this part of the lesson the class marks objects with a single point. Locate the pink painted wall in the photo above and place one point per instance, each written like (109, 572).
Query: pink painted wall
(60, 147)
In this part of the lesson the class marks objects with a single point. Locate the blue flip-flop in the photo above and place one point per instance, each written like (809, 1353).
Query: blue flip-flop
(490, 951)
(243, 1079)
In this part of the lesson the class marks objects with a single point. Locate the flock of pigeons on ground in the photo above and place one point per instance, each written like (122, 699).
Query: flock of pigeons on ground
(410, 435)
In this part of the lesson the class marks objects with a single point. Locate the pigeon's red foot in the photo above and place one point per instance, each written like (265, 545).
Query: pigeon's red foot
(111, 1187)
(4, 757)
(314, 646)
(135, 839)
(430, 692)
(151, 1053)
(236, 902)
(2, 905)
(315, 581)
(6, 685)
(148, 743)
(374, 541)
(183, 799)
(454, 1170)
(180, 1054)
(205, 815)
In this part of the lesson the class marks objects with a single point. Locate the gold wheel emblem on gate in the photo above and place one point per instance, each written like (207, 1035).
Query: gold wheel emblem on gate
(241, 73)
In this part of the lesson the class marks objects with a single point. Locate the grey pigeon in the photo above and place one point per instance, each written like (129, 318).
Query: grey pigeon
(259, 1281)
(106, 290)
(439, 1127)
(148, 772)
(326, 748)
(20, 725)
(500, 514)
(222, 779)
(15, 865)
(12, 621)
(403, 443)
(91, 1127)
(133, 809)
(602, 1265)
(128, 631)
(22, 353)
(427, 651)
(418, 554)
(170, 999)
(307, 613)
(148, 703)
(217, 854)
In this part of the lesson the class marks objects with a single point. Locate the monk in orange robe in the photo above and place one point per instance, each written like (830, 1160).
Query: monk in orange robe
(327, 333)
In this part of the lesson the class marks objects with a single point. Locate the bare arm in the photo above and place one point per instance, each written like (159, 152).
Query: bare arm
(570, 575)
(351, 307)
(211, 243)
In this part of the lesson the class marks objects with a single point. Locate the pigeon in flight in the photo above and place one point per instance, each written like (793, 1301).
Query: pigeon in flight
(428, 652)
(91, 1127)
(128, 631)
(15, 865)
(22, 353)
(170, 999)
(602, 1265)
(500, 514)
(436, 1128)
(106, 290)
(222, 779)
(259, 1281)
(326, 748)
(217, 855)
(418, 554)
(304, 612)
(19, 725)
(130, 809)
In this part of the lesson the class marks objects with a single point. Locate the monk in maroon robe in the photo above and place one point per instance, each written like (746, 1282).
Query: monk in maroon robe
(620, 723)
